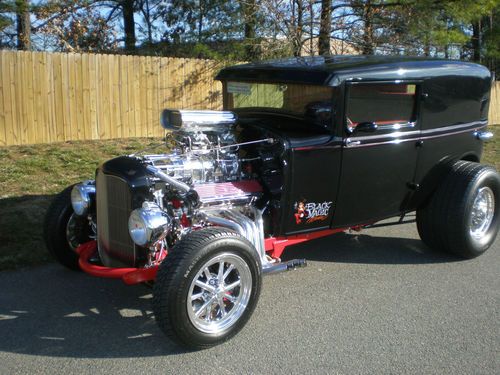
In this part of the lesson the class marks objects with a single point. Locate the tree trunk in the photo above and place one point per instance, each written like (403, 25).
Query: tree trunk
(476, 41)
(325, 28)
(250, 17)
(200, 20)
(23, 25)
(129, 24)
(427, 47)
(149, 23)
(368, 45)
(298, 29)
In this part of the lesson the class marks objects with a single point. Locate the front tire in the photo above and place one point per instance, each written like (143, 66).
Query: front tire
(63, 230)
(462, 216)
(207, 288)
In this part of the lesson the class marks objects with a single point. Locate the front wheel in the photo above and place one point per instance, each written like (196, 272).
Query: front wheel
(207, 288)
(64, 231)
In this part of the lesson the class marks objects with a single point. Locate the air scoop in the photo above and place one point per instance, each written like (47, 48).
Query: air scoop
(189, 120)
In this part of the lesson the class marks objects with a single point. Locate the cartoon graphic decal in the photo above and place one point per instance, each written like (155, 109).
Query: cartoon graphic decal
(311, 212)
(300, 212)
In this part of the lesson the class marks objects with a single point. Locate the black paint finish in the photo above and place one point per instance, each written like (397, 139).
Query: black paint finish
(371, 176)
(334, 70)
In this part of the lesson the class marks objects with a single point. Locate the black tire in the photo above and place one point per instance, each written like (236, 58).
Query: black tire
(176, 277)
(55, 226)
(444, 222)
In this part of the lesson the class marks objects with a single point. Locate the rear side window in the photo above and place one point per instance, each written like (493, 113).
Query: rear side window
(387, 105)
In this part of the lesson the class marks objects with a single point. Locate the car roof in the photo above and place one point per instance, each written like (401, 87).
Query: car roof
(333, 70)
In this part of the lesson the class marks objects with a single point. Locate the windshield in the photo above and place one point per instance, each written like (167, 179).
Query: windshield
(300, 100)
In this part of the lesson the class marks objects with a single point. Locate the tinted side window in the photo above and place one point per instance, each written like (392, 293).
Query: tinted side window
(384, 104)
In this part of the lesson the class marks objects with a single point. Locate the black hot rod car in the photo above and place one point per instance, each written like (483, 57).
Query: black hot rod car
(304, 148)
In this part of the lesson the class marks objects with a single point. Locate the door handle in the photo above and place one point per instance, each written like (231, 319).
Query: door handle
(348, 142)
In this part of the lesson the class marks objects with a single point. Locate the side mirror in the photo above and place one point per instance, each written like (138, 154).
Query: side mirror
(366, 127)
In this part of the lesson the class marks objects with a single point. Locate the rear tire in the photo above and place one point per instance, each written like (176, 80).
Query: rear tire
(197, 302)
(63, 230)
(462, 216)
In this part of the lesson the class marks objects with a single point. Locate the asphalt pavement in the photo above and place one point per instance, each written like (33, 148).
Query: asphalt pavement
(375, 302)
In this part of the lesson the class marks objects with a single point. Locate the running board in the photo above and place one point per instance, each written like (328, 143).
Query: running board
(284, 266)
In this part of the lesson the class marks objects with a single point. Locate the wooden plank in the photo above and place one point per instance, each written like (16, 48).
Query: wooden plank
(137, 96)
(20, 88)
(65, 95)
(149, 93)
(117, 97)
(163, 89)
(3, 124)
(57, 110)
(27, 94)
(143, 120)
(79, 123)
(123, 95)
(14, 125)
(93, 79)
(9, 116)
(71, 131)
(43, 99)
(112, 92)
(104, 98)
(192, 78)
(50, 113)
(156, 94)
(130, 96)
(38, 127)
(47, 95)
(100, 98)
(176, 83)
(84, 82)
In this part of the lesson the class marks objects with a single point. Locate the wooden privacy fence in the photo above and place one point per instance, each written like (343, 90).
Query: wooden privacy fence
(494, 114)
(51, 97)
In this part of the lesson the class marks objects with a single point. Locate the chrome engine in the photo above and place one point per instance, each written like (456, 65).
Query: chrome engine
(205, 181)
(201, 157)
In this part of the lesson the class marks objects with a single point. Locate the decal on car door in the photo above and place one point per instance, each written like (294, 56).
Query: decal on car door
(309, 212)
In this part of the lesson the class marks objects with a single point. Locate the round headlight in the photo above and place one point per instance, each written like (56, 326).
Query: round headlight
(81, 198)
(137, 227)
(146, 225)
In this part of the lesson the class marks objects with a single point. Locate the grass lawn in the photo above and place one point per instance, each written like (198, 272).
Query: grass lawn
(29, 178)
(31, 175)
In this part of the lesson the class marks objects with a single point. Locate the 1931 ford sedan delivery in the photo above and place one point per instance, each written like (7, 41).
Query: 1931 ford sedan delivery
(304, 148)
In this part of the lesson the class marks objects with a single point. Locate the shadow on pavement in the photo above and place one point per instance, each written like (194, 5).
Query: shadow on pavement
(21, 226)
(368, 249)
(52, 311)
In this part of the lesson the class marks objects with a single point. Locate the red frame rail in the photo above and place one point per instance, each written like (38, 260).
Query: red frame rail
(274, 246)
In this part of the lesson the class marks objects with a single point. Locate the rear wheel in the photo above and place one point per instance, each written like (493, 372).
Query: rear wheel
(64, 231)
(462, 216)
(207, 288)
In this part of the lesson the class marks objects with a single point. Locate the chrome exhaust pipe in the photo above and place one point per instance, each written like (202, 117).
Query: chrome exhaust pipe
(284, 266)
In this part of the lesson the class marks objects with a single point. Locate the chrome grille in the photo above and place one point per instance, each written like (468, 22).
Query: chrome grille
(114, 202)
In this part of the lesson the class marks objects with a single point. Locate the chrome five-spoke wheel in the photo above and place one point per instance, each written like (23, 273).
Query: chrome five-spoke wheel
(219, 293)
(483, 210)
(207, 288)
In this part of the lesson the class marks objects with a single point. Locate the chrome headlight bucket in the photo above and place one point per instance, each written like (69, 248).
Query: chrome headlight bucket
(148, 224)
(81, 197)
